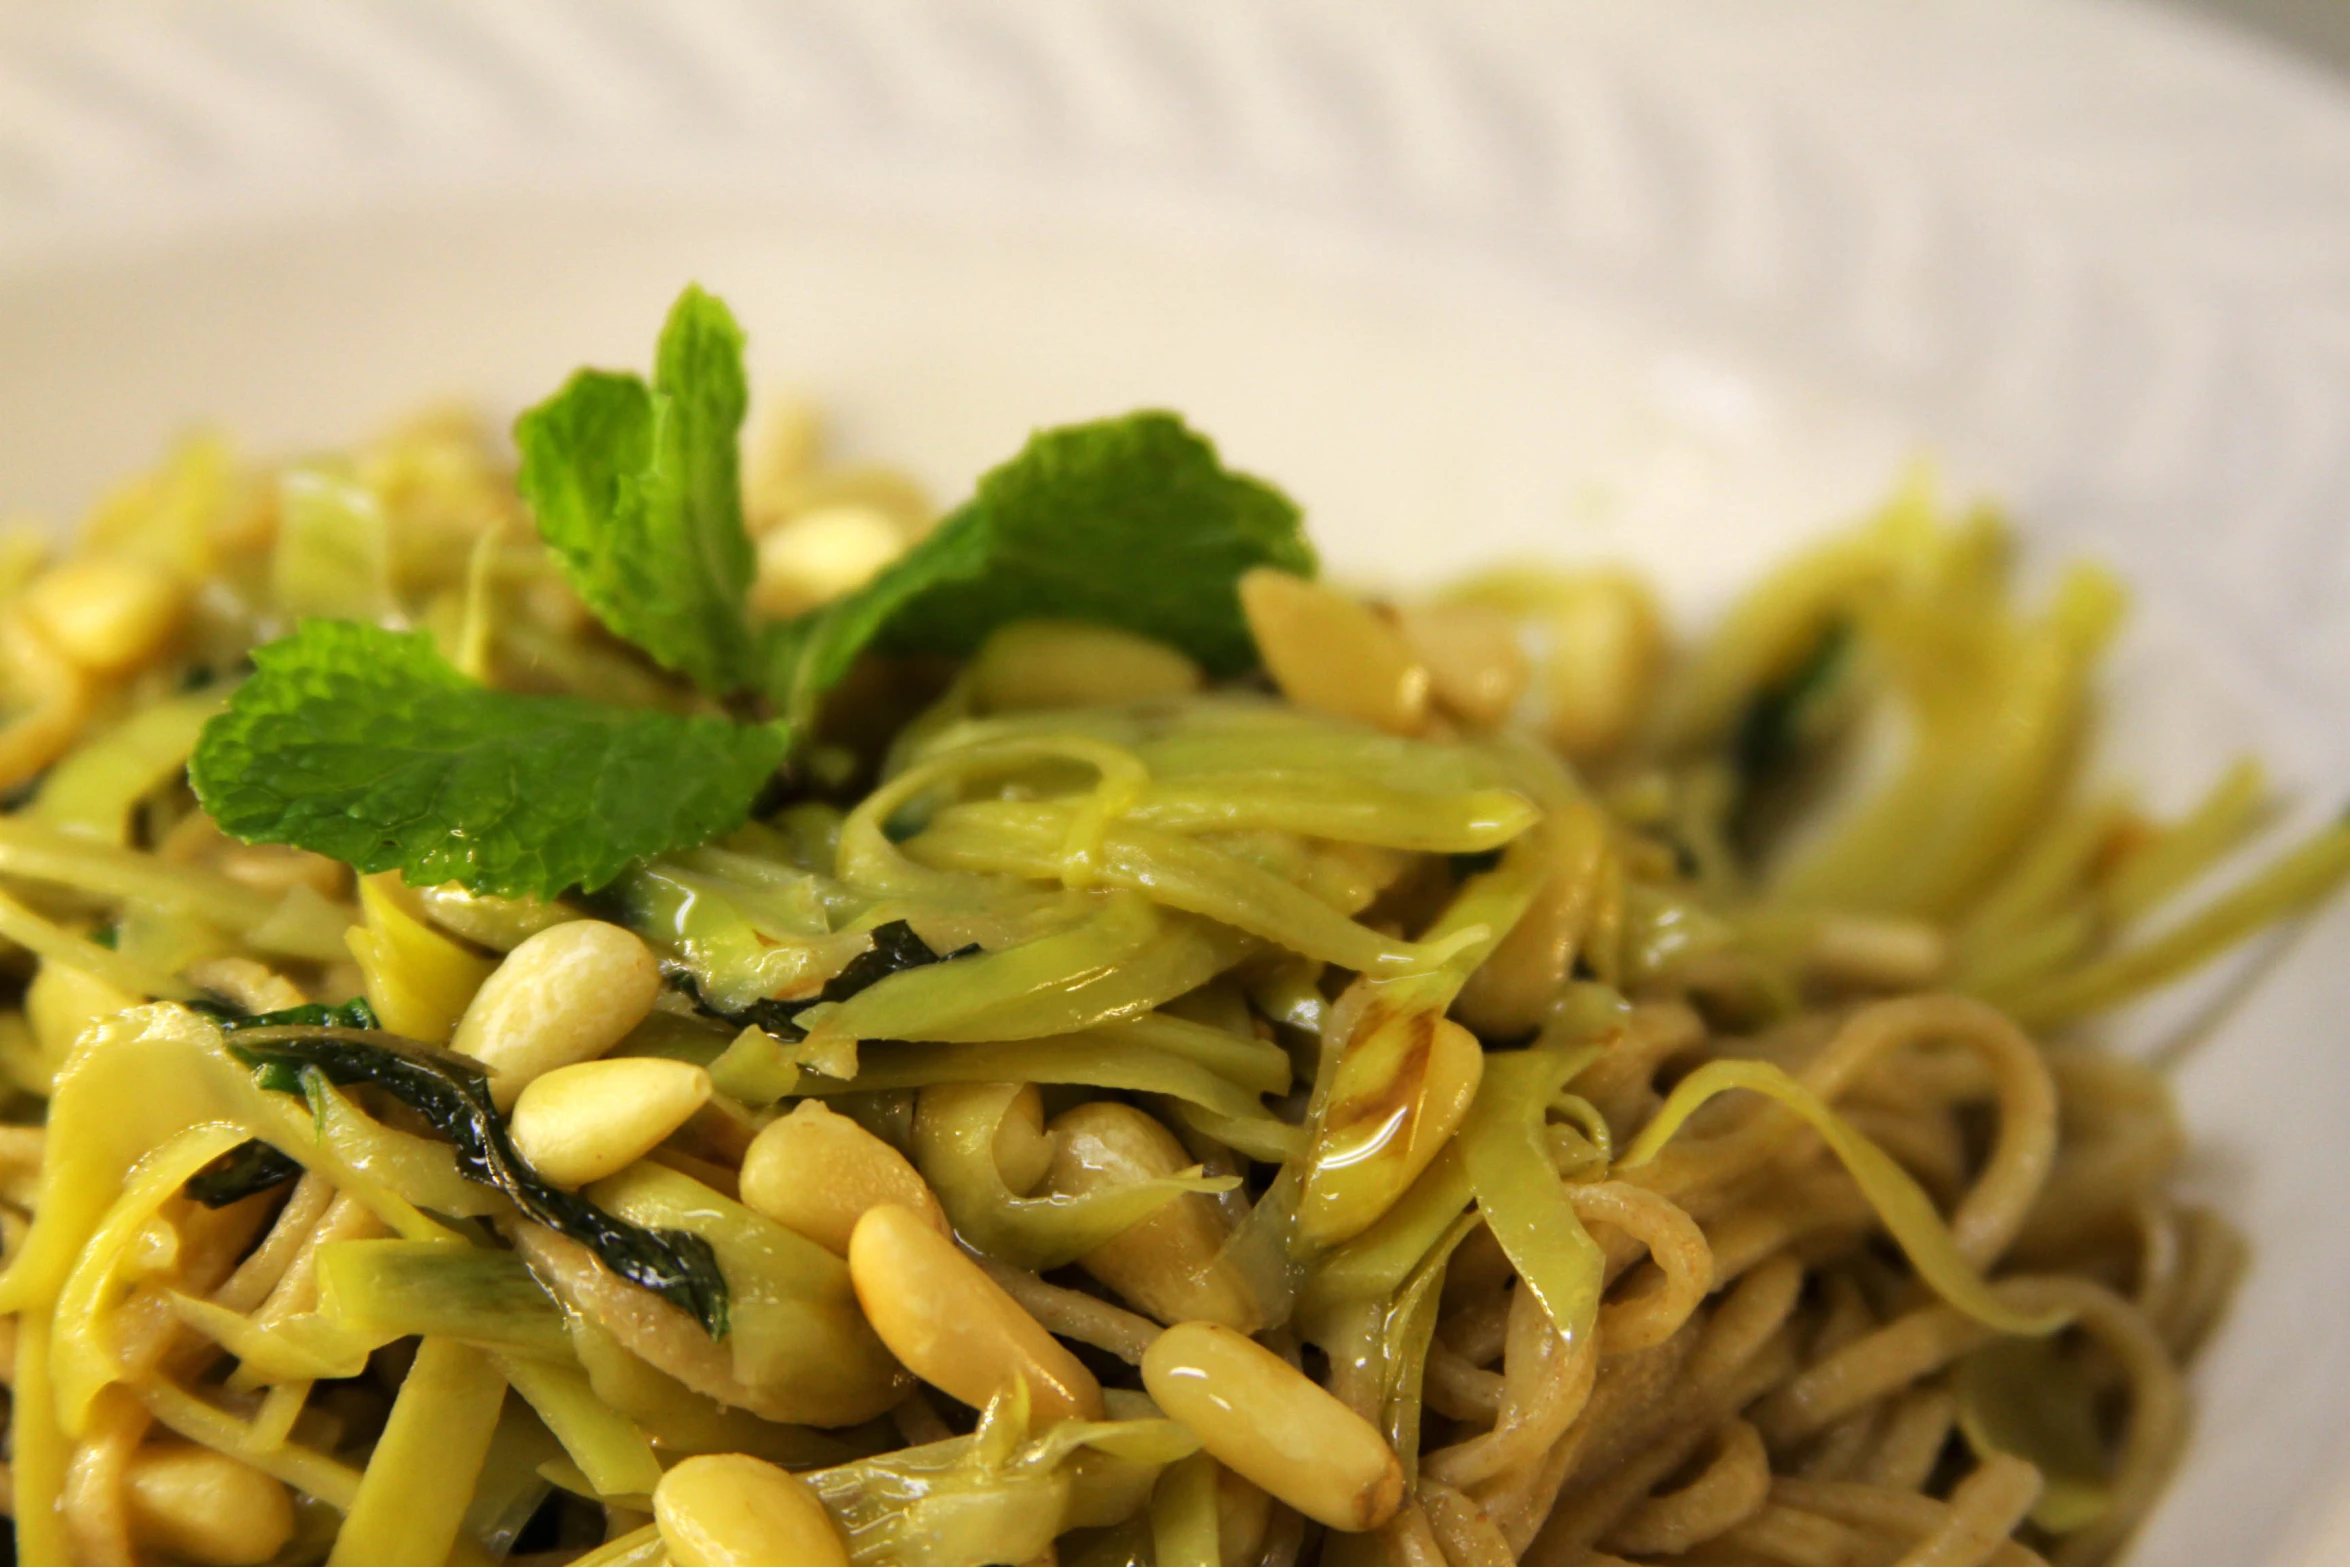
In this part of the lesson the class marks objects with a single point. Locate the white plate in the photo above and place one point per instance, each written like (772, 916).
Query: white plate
(1678, 281)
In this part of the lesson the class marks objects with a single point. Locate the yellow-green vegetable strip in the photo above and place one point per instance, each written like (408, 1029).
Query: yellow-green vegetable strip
(610, 1451)
(1519, 1192)
(413, 1494)
(1903, 1206)
(2292, 884)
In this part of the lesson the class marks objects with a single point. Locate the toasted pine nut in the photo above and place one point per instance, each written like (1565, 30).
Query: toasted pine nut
(785, 443)
(1606, 646)
(953, 1326)
(1402, 1087)
(50, 692)
(1333, 653)
(733, 1510)
(106, 615)
(1053, 663)
(206, 1506)
(582, 1122)
(1166, 1266)
(817, 1172)
(1475, 666)
(1262, 1418)
(886, 490)
(567, 994)
(61, 1002)
(819, 555)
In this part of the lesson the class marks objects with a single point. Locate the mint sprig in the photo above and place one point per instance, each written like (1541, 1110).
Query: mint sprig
(364, 745)
(636, 490)
(1130, 522)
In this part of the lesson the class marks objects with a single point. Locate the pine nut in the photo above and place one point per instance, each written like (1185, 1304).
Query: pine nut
(1050, 663)
(1167, 1265)
(1606, 647)
(733, 1510)
(567, 994)
(1402, 1087)
(582, 1122)
(206, 1506)
(785, 443)
(953, 1326)
(1333, 653)
(49, 693)
(819, 555)
(1476, 668)
(1263, 1419)
(106, 615)
(817, 1172)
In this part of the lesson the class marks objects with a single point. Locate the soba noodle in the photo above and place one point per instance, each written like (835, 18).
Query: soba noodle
(1663, 1137)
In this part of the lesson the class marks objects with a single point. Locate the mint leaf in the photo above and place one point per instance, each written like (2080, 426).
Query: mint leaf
(365, 745)
(636, 490)
(1128, 522)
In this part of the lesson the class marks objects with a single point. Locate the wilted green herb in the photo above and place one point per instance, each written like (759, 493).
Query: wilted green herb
(255, 1166)
(250, 1167)
(452, 1095)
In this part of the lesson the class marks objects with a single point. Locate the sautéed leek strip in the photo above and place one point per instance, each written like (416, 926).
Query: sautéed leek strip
(1577, 1159)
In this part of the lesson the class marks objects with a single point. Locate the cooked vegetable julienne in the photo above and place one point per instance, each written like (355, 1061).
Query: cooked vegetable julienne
(255, 1166)
(452, 1095)
(1055, 1036)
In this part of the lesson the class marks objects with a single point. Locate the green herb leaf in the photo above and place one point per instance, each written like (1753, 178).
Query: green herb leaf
(453, 1096)
(254, 1166)
(1128, 522)
(363, 745)
(366, 746)
(636, 490)
(354, 1013)
(1781, 722)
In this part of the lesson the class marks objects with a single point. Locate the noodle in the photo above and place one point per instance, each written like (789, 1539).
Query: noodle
(1627, 1175)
